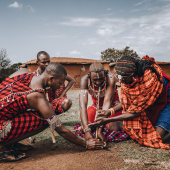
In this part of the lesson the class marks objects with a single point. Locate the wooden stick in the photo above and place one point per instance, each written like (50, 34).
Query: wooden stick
(97, 110)
(52, 132)
(53, 137)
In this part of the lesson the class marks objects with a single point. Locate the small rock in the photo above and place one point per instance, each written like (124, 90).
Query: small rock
(31, 140)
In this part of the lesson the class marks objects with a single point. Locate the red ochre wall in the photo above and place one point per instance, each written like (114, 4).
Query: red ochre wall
(74, 70)
(165, 68)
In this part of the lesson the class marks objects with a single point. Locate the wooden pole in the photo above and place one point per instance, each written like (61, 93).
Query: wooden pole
(97, 110)
(52, 132)
(53, 137)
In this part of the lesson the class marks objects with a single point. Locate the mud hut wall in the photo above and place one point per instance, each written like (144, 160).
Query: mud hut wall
(165, 68)
(106, 66)
(32, 67)
(74, 70)
(77, 72)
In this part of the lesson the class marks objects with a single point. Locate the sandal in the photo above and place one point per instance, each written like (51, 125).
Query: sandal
(19, 146)
(7, 155)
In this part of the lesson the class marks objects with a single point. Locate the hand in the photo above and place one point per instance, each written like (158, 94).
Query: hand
(98, 122)
(103, 113)
(101, 136)
(88, 136)
(94, 144)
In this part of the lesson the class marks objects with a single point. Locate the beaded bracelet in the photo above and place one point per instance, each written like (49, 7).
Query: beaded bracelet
(112, 111)
(87, 130)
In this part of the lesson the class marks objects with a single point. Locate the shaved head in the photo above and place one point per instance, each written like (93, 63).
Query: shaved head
(96, 67)
(55, 69)
(42, 52)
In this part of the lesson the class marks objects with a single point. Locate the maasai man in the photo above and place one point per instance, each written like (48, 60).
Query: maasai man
(101, 85)
(144, 93)
(25, 91)
(61, 100)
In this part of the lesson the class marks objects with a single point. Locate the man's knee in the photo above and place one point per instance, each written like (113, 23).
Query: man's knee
(66, 104)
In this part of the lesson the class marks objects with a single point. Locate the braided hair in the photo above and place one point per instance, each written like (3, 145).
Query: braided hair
(128, 65)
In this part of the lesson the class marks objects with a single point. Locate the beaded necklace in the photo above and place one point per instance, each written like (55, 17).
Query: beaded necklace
(96, 94)
(100, 90)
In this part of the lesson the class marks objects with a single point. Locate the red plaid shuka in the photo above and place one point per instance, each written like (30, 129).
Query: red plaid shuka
(22, 121)
(136, 98)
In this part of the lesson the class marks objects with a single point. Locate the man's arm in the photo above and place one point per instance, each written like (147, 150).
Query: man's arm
(67, 134)
(71, 81)
(107, 113)
(110, 91)
(83, 100)
(38, 102)
(101, 121)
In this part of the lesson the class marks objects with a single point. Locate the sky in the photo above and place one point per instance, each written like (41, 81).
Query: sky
(84, 28)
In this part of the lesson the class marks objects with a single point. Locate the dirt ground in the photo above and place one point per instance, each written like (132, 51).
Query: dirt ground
(72, 157)
(51, 156)
(127, 155)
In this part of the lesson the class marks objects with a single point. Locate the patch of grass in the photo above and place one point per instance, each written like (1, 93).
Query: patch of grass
(132, 150)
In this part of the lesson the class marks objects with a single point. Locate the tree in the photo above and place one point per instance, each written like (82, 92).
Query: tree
(4, 61)
(112, 54)
(6, 69)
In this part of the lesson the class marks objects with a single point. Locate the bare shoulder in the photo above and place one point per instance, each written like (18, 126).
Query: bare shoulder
(111, 79)
(84, 82)
(20, 71)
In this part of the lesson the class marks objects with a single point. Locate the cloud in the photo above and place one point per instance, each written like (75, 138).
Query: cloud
(108, 9)
(110, 27)
(146, 34)
(140, 3)
(31, 8)
(74, 53)
(15, 5)
(80, 21)
(105, 31)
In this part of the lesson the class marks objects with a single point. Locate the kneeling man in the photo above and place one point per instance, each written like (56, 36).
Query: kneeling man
(101, 85)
